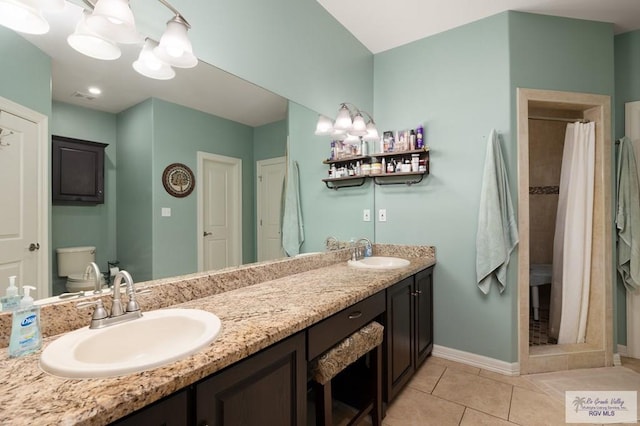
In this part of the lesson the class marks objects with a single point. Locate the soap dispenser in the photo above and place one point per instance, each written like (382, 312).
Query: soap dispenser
(11, 301)
(25, 330)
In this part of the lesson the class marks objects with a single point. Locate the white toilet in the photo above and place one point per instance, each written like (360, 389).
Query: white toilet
(72, 263)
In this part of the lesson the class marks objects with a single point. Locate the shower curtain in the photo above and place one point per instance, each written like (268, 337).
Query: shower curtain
(572, 242)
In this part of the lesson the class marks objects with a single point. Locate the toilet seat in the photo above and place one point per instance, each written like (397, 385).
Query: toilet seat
(77, 282)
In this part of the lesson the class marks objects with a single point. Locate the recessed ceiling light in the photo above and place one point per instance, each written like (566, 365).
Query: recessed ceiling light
(95, 90)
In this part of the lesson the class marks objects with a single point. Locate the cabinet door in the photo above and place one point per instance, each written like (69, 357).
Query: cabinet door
(269, 388)
(170, 411)
(423, 315)
(399, 333)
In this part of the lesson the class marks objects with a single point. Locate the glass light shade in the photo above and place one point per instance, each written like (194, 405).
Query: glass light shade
(150, 66)
(372, 133)
(22, 17)
(113, 19)
(91, 44)
(338, 135)
(324, 126)
(358, 128)
(343, 120)
(175, 47)
(49, 4)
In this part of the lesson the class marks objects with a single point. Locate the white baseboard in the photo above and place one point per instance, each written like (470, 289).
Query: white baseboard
(480, 361)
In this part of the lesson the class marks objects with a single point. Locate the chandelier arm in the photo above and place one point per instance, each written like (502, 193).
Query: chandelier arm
(177, 13)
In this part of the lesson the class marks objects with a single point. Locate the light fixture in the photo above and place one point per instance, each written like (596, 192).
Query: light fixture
(149, 65)
(94, 90)
(174, 47)
(23, 16)
(113, 20)
(349, 123)
(92, 44)
(103, 26)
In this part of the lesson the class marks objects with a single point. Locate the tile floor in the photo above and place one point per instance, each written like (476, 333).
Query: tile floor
(444, 393)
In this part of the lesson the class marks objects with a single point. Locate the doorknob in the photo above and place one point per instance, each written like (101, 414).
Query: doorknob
(207, 233)
(34, 246)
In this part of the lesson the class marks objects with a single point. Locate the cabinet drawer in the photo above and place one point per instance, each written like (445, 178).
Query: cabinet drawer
(328, 332)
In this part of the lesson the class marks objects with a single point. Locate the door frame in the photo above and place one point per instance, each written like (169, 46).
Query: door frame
(598, 349)
(43, 273)
(260, 195)
(237, 200)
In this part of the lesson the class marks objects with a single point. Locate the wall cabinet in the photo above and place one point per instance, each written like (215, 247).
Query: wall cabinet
(408, 329)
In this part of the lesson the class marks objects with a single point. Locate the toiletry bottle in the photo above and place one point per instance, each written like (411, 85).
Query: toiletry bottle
(25, 330)
(11, 301)
(420, 137)
(384, 165)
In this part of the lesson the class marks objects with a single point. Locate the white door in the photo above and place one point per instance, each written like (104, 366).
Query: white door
(219, 211)
(23, 216)
(270, 181)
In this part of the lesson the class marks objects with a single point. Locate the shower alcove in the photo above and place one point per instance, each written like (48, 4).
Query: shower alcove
(557, 109)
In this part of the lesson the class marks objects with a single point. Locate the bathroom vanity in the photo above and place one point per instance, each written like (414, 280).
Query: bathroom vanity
(270, 329)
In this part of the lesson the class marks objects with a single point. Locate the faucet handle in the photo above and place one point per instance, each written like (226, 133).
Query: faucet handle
(98, 313)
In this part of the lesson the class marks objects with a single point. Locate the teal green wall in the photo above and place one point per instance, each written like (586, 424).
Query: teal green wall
(73, 226)
(457, 84)
(270, 140)
(179, 133)
(325, 212)
(134, 234)
(25, 74)
(627, 67)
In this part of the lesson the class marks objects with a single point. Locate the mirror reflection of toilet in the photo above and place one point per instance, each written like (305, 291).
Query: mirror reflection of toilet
(72, 263)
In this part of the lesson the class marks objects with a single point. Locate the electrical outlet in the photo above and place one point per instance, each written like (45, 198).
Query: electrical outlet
(366, 215)
(382, 215)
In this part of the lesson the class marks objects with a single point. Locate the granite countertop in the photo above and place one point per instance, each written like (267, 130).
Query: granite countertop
(253, 317)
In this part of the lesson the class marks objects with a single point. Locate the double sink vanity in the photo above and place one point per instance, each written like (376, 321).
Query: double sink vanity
(274, 317)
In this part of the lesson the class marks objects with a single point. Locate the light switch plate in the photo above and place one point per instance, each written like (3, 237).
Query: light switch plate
(166, 211)
(382, 215)
(366, 215)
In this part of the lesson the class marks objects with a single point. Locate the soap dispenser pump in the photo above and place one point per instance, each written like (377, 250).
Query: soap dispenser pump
(25, 330)
(11, 301)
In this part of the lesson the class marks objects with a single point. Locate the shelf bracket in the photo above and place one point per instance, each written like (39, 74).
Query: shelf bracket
(351, 185)
(404, 182)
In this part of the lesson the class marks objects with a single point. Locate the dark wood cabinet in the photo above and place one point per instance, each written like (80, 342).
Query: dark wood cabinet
(77, 171)
(267, 388)
(170, 411)
(408, 329)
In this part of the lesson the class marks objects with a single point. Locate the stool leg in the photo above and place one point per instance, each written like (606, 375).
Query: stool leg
(376, 366)
(324, 405)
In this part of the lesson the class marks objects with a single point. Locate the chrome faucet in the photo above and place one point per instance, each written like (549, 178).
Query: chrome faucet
(360, 251)
(101, 318)
(93, 267)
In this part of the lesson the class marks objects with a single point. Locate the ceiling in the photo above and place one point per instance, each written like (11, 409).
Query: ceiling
(382, 24)
(205, 87)
(211, 90)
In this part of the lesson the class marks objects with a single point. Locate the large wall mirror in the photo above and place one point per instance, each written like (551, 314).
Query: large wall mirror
(150, 124)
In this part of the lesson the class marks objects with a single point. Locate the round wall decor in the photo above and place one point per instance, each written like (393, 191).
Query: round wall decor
(178, 180)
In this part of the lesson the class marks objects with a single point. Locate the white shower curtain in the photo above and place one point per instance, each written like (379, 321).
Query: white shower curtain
(572, 242)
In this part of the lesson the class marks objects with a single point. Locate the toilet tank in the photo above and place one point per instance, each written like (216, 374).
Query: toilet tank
(74, 260)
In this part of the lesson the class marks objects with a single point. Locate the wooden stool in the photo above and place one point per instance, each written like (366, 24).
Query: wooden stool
(324, 368)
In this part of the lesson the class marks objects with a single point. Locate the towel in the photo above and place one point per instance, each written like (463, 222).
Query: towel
(292, 226)
(497, 228)
(628, 216)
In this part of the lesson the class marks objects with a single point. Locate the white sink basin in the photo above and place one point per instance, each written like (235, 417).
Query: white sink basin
(158, 338)
(379, 262)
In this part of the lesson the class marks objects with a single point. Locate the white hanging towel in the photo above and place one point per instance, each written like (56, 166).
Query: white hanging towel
(497, 228)
(628, 216)
(292, 225)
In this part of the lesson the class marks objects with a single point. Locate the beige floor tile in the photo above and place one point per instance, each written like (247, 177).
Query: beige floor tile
(415, 408)
(520, 381)
(529, 408)
(472, 417)
(453, 364)
(483, 394)
(427, 376)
